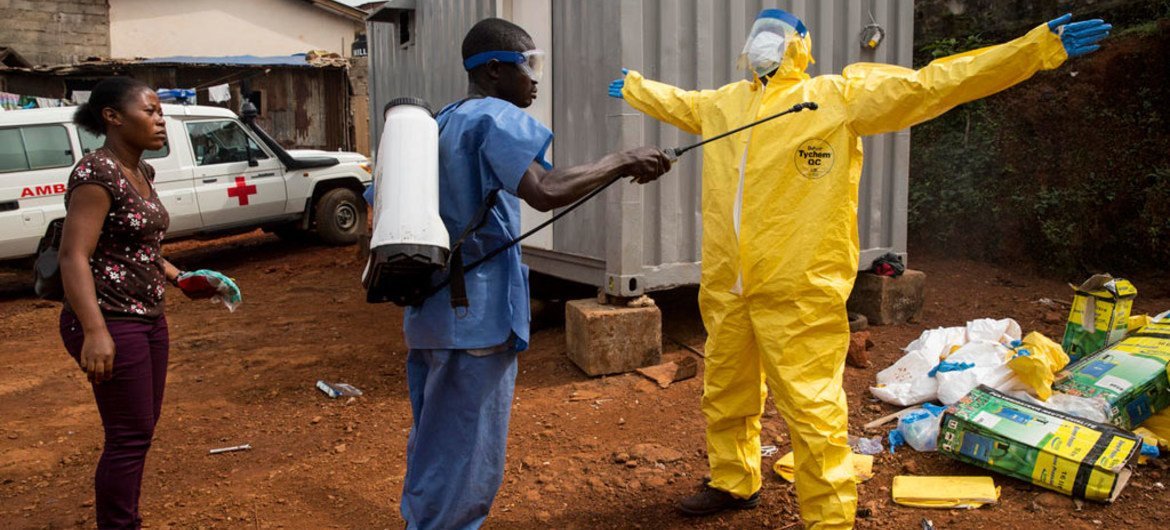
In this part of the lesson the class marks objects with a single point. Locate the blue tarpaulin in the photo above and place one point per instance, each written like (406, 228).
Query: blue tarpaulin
(297, 59)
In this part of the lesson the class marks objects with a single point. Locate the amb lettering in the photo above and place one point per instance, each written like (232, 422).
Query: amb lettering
(37, 191)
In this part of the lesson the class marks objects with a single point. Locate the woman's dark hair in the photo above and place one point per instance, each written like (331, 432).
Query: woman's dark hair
(113, 92)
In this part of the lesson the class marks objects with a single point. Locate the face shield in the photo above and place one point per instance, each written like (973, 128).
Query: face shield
(769, 38)
(530, 62)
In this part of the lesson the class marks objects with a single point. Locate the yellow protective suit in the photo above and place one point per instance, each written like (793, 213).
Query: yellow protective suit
(779, 264)
(1038, 370)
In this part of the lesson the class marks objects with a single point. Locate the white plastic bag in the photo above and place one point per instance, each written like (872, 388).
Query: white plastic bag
(906, 382)
(1003, 331)
(982, 342)
(990, 368)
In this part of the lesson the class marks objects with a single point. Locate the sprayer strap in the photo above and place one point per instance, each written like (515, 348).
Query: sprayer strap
(455, 259)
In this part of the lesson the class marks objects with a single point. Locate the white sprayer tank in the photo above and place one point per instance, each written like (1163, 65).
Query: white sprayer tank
(409, 241)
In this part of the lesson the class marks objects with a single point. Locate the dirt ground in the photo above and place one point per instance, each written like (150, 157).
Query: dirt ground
(249, 377)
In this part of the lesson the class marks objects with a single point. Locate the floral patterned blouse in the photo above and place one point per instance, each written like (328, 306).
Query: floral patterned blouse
(127, 262)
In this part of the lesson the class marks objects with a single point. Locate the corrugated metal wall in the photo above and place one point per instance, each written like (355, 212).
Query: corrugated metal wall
(431, 65)
(652, 232)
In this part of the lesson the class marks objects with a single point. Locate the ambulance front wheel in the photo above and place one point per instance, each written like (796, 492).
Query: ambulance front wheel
(340, 216)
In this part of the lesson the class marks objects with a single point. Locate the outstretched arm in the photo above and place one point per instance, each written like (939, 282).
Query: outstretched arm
(660, 101)
(885, 98)
(548, 189)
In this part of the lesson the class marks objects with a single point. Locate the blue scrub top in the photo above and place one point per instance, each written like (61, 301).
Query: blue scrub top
(485, 144)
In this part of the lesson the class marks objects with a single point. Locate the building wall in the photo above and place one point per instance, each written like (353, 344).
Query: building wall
(301, 107)
(150, 28)
(359, 80)
(56, 31)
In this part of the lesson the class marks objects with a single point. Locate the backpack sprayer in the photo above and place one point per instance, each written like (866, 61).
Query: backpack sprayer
(410, 242)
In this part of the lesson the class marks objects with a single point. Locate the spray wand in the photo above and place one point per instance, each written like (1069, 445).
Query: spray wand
(672, 152)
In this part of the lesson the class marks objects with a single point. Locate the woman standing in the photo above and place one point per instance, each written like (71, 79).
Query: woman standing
(115, 279)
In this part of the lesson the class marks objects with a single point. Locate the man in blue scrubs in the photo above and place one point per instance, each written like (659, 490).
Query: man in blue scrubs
(462, 363)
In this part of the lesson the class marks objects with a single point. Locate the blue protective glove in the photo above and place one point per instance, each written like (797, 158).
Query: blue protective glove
(1079, 38)
(616, 86)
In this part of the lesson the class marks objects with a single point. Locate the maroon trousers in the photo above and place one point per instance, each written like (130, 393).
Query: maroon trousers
(129, 404)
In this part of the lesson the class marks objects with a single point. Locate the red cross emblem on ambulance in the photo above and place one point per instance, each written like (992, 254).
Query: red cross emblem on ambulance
(242, 190)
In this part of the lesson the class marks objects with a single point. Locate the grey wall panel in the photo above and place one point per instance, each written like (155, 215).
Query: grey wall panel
(431, 66)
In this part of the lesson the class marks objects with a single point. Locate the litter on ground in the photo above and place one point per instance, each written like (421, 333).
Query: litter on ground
(944, 492)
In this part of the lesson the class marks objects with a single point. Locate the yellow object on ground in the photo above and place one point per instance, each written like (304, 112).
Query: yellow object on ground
(1136, 323)
(1159, 426)
(944, 492)
(1038, 368)
(780, 243)
(1099, 316)
(862, 467)
(1149, 438)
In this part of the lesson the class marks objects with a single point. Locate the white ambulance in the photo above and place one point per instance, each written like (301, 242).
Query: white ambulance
(217, 175)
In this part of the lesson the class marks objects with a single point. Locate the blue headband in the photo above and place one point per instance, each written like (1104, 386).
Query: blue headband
(480, 59)
(784, 16)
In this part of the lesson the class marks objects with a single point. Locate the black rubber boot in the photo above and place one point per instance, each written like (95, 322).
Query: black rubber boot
(711, 501)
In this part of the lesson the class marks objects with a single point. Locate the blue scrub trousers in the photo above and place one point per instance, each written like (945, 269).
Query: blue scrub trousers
(455, 454)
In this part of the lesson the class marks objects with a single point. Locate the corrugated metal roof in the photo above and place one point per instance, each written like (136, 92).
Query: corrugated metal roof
(297, 59)
(338, 8)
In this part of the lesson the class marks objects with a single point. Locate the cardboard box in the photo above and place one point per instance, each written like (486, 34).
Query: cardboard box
(1130, 375)
(1099, 316)
(1045, 447)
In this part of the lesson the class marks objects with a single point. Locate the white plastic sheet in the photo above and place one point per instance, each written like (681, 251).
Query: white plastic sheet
(908, 381)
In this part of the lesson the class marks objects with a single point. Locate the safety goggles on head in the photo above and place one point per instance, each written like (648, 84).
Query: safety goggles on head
(530, 62)
(770, 36)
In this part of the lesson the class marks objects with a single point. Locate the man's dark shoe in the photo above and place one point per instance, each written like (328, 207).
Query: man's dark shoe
(711, 501)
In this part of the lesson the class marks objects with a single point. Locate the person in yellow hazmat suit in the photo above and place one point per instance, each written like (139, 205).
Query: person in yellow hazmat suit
(780, 242)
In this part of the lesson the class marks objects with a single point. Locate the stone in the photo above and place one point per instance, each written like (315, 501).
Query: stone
(597, 485)
(656, 482)
(688, 367)
(663, 374)
(654, 453)
(531, 462)
(859, 344)
(604, 339)
(886, 300)
(1048, 500)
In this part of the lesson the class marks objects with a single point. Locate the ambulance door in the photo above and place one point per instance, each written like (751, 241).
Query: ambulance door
(35, 161)
(172, 181)
(237, 182)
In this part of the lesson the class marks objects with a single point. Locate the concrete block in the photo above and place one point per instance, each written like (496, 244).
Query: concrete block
(605, 339)
(885, 300)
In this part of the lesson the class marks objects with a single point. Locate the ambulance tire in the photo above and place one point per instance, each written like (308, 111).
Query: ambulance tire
(339, 217)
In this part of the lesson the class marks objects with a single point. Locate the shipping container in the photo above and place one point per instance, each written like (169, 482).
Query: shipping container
(633, 239)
